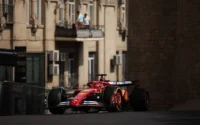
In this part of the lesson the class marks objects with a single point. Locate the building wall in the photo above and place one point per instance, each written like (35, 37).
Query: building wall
(187, 51)
(19, 33)
(162, 49)
(105, 14)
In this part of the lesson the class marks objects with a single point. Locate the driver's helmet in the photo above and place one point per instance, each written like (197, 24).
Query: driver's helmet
(102, 79)
(89, 84)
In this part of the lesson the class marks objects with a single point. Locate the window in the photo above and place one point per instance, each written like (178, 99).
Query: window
(91, 12)
(123, 15)
(71, 11)
(91, 67)
(38, 11)
(27, 11)
(35, 76)
(61, 12)
(35, 68)
(7, 8)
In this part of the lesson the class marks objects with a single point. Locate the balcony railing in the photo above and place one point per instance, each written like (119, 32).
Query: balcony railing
(73, 32)
(6, 10)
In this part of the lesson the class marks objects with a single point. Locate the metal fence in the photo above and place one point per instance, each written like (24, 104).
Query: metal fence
(21, 99)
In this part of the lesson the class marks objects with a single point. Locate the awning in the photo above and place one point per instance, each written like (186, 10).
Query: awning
(8, 57)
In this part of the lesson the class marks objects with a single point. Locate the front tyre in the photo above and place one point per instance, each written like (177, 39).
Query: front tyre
(55, 97)
(113, 98)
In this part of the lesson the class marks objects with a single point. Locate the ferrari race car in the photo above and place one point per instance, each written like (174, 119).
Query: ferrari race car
(101, 95)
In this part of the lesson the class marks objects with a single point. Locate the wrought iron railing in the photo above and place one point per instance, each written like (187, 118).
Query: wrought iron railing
(76, 26)
(93, 31)
(7, 10)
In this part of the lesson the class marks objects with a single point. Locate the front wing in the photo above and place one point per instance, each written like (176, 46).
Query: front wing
(66, 104)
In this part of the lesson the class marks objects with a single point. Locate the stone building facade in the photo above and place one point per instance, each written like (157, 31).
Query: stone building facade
(57, 54)
(163, 49)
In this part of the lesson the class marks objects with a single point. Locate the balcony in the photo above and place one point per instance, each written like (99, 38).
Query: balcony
(6, 11)
(72, 32)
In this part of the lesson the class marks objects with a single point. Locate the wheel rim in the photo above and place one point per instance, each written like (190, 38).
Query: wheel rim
(119, 99)
(113, 99)
(116, 99)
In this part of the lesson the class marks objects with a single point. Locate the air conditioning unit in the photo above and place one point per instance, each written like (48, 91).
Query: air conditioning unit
(54, 55)
(54, 69)
(117, 60)
(62, 57)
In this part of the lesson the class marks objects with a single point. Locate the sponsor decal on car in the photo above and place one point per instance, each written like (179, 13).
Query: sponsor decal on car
(86, 90)
(65, 103)
(90, 102)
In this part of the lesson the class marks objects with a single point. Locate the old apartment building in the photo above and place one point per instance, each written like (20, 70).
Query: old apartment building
(57, 53)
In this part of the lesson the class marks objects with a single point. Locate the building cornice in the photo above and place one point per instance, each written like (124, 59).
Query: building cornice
(109, 2)
(84, 1)
(52, 0)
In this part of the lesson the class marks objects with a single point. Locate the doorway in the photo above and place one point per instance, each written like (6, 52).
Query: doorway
(35, 76)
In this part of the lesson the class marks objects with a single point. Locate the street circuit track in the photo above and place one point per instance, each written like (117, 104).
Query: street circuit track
(122, 118)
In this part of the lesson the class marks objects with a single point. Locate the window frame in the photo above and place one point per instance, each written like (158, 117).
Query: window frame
(71, 11)
(91, 66)
(27, 12)
(38, 11)
(123, 15)
(61, 11)
(91, 15)
(32, 74)
(6, 6)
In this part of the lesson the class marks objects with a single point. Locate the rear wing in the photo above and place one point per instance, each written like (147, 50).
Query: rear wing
(122, 83)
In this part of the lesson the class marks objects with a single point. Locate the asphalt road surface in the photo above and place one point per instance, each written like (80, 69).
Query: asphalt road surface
(123, 118)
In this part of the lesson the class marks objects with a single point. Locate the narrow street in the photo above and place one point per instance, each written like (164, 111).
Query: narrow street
(123, 118)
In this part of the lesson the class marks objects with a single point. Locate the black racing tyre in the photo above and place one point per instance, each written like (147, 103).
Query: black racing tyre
(86, 109)
(54, 98)
(108, 92)
(139, 99)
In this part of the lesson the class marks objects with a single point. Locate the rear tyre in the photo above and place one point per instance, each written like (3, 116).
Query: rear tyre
(139, 99)
(111, 94)
(55, 97)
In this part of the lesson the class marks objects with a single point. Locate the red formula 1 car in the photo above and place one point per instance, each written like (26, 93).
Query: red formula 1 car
(101, 95)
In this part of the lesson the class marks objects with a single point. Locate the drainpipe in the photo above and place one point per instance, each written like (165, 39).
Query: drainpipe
(45, 46)
(105, 36)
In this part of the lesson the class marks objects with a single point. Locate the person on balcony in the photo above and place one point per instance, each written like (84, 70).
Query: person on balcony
(80, 20)
(86, 21)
